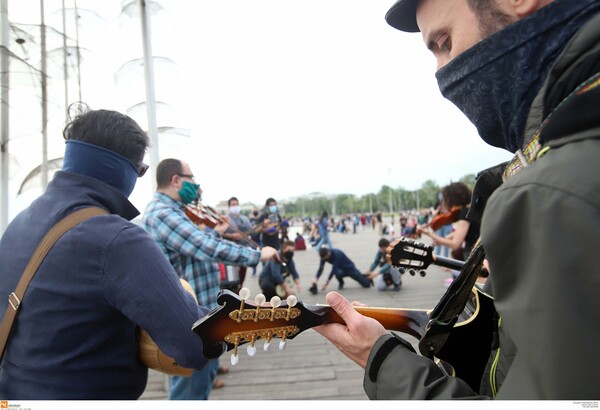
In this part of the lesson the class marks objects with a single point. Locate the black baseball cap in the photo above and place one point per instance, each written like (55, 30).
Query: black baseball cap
(403, 16)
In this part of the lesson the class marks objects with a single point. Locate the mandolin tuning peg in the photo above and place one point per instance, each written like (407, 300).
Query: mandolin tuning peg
(401, 270)
(412, 272)
(251, 350)
(282, 344)
(235, 359)
(266, 346)
(292, 300)
(244, 293)
(260, 299)
(275, 301)
(422, 273)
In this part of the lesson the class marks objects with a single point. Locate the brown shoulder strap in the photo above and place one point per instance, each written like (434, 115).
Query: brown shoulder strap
(15, 298)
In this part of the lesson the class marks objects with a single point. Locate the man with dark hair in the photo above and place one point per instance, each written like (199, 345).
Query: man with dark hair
(280, 276)
(195, 254)
(341, 267)
(527, 74)
(76, 332)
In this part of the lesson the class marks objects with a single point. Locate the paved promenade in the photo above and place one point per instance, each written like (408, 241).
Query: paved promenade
(310, 368)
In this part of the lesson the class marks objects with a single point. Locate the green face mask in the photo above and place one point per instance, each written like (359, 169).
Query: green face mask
(188, 192)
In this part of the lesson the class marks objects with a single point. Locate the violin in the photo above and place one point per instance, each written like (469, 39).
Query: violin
(443, 219)
(201, 215)
(205, 215)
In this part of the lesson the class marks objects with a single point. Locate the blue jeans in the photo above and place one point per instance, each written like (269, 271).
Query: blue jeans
(322, 241)
(443, 231)
(196, 387)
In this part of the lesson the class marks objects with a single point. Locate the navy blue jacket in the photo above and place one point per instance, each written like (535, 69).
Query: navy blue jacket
(339, 261)
(76, 333)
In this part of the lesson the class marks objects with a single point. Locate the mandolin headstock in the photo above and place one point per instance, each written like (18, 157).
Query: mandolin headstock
(411, 255)
(237, 321)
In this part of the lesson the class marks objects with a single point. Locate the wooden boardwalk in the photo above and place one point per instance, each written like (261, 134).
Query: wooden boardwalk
(310, 368)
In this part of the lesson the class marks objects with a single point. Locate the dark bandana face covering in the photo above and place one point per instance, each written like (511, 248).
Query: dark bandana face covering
(494, 82)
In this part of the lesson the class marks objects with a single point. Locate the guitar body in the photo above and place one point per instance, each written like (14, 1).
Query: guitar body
(468, 346)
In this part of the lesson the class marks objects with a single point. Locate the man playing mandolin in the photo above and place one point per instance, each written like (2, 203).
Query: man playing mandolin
(527, 75)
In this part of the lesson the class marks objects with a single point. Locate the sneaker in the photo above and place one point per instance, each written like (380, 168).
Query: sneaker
(396, 288)
(341, 286)
(313, 289)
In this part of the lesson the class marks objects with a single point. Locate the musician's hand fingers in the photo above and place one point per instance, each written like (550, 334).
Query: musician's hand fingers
(358, 336)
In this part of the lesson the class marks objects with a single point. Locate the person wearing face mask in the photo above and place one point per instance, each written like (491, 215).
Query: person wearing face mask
(76, 332)
(283, 275)
(195, 254)
(270, 224)
(527, 74)
(240, 234)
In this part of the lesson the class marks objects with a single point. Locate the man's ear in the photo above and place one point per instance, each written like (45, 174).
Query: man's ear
(523, 8)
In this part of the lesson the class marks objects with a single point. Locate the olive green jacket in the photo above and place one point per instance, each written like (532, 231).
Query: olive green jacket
(541, 232)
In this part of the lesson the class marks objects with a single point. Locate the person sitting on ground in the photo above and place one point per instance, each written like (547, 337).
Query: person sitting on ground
(282, 275)
(386, 275)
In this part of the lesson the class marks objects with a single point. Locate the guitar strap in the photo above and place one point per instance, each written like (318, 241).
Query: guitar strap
(15, 298)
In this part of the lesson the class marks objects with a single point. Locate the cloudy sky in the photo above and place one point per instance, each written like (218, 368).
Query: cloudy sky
(280, 98)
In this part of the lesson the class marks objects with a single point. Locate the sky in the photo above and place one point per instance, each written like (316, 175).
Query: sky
(277, 98)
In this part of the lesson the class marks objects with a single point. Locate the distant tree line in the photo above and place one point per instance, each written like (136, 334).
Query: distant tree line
(387, 200)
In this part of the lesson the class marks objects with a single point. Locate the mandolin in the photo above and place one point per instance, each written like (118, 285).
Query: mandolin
(154, 358)
(237, 321)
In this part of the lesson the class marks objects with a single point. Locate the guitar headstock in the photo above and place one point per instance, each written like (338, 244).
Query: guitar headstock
(237, 321)
(408, 254)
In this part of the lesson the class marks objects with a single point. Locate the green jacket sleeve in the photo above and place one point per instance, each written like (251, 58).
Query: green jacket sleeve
(395, 372)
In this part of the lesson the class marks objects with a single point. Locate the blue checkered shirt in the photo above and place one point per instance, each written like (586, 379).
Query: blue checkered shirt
(193, 252)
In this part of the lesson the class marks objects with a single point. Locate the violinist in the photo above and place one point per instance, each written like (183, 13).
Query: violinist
(454, 205)
(195, 254)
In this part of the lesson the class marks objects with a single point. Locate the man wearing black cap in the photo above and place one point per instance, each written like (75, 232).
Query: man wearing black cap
(527, 74)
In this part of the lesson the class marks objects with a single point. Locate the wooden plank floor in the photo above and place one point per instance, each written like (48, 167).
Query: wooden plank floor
(310, 368)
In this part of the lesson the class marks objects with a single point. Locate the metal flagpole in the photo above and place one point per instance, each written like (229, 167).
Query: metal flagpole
(4, 136)
(150, 98)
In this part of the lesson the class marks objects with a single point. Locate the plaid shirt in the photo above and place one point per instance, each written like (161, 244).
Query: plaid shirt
(193, 252)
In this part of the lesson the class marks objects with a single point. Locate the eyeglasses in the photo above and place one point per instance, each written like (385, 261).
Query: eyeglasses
(190, 176)
(142, 170)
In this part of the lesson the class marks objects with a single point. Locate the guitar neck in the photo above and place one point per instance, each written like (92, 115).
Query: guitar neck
(410, 321)
(448, 262)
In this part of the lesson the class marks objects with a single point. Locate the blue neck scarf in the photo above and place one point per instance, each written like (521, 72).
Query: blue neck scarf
(495, 82)
(102, 164)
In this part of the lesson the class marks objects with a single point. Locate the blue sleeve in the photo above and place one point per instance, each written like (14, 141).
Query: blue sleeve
(293, 270)
(320, 271)
(142, 284)
(376, 261)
